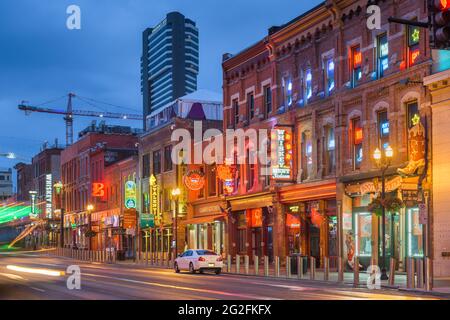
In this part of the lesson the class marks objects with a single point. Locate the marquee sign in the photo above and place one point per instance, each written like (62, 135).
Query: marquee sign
(194, 180)
(154, 196)
(373, 187)
(281, 145)
(130, 195)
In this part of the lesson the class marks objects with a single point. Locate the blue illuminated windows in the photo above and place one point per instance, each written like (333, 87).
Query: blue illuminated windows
(357, 142)
(287, 91)
(383, 129)
(382, 54)
(308, 84)
(356, 63)
(329, 76)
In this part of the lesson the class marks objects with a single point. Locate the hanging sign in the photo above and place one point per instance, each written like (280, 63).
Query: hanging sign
(98, 190)
(281, 145)
(33, 213)
(48, 196)
(130, 195)
(154, 196)
(147, 220)
(194, 180)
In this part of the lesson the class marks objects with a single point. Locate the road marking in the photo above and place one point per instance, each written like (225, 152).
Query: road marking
(245, 296)
(37, 289)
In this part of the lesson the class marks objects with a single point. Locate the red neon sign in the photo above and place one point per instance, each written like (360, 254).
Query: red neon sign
(358, 135)
(357, 59)
(414, 55)
(98, 190)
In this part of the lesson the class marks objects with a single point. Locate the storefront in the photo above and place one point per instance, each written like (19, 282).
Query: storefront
(310, 220)
(206, 229)
(251, 226)
(362, 229)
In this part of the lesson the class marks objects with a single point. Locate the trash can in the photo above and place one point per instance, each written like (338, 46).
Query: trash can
(294, 266)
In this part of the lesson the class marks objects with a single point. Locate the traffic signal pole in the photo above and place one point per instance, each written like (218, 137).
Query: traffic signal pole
(409, 22)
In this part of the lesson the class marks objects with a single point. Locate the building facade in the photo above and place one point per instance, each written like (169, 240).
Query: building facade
(160, 174)
(334, 92)
(169, 62)
(6, 184)
(86, 194)
(24, 177)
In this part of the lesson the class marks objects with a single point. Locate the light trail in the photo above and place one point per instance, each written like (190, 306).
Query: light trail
(46, 272)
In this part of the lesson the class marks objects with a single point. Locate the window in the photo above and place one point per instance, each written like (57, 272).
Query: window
(250, 106)
(357, 141)
(287, 92)
(383, 130)
(330, 146)
(308, 85)
(242, 240)
(201, 192)
(382, 55)
(413, 44)
(236, 111)
(146, 165)
(356, 61)
(307, 160)
(268, 99)
(2, 178)
(156, 162)
(415, 233)
(250, 170)
(363, 231)
(212, 181)
(329, 76)
(412, 109)
(168, 158)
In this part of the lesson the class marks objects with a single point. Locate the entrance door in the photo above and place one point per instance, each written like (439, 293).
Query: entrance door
(269, 243)
(256, 242)
(314, 243)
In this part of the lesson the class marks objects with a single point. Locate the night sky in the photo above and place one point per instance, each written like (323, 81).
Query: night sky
(41, 60)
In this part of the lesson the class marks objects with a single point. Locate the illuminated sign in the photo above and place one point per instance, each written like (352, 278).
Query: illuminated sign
(33, 213)
(385, 129)
(228, 186)
(281, 153)
(194, 180)
(147, 220)
(414, 35)
(130, 195)
(414, 54)
(98, 190)
(357, 58)
(358, 135)
(48, 195)
(154, 197)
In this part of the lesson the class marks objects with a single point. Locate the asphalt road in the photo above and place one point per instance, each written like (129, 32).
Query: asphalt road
(118, 282)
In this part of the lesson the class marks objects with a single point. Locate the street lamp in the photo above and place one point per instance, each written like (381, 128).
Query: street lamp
(89, 208)
(383, 162)
(9, 155)
(175, 195)
(58, 186)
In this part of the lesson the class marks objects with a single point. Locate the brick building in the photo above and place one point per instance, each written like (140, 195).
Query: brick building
(24, 175)
(83, 167)
(342, 91)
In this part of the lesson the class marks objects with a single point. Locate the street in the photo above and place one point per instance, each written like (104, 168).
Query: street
(123, 282)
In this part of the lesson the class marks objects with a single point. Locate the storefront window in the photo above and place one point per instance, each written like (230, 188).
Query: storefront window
(293, 232)
(414, 233)
(363, 231)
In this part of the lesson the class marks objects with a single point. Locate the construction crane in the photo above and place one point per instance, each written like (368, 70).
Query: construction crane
(69, 113)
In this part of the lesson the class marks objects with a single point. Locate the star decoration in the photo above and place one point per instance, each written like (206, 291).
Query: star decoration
(415, 120)
(415, 35)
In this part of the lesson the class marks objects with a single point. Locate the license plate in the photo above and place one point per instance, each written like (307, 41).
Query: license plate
(211, 264)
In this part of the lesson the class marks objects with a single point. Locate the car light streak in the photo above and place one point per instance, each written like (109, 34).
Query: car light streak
(46, 272)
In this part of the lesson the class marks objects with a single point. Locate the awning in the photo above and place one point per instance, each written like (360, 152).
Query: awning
(251, 202)
(308, 192)
(206, 219)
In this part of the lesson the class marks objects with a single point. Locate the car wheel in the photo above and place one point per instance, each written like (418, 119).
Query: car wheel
(191, 268)
(218, 271)
(177, 270)
(202, 271)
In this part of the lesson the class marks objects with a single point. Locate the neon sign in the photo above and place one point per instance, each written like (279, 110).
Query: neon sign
(154, 197)
(357, 58)
(414, 54)
(194, 180)
(282, 153)
(98, 190)
(130, 195)
(48, 195)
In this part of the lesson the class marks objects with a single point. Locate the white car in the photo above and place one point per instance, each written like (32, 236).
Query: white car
(199, 260)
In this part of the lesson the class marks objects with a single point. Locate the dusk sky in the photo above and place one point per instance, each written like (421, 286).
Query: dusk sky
(41, 60)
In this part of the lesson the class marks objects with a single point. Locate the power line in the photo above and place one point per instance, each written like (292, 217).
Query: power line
(109, 104)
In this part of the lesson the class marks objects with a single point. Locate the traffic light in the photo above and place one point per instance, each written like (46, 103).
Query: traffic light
(439, 11)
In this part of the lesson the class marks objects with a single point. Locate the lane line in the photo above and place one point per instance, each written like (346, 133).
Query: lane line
(229, 294)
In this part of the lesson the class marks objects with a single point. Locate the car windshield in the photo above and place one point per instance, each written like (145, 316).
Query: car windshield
(205, 253)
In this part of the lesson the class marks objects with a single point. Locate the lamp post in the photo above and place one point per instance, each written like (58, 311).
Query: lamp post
(89, 209)
(58, 186)
(383, 162)
(175, 195)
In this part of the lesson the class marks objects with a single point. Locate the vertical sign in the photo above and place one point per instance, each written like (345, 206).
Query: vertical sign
(130, 195)
(154, 198)
(281, 153)
(48, 196)
(33, 213)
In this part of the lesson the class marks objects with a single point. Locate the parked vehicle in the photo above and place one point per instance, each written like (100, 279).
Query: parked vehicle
(199, 260)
